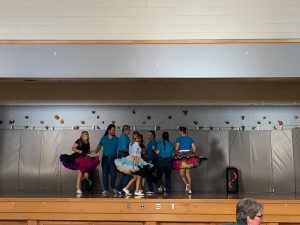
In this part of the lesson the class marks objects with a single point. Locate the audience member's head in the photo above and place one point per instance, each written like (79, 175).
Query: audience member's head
(249, 211)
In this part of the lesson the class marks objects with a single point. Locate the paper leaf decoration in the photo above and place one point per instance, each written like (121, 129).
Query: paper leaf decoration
(56, 117)
(148, 117)
(264, 117)
(46, 127)
(76, 127)
(280, 123)
(26, 127)
(227, 122)
(296, 117)
(195, 122)
(1, 122)
(42, 122)
(26, 117)
(144, 122)
(93, 112)
(98, 117)
(113, 122)
(243, 117)
(185, 112)
(133, 111)
(258, 122)
(82, 122)
(98, 127)
(103, 122)
(211, 128)
(169, 117)
(11, 121)
(200, 128)
(62, 121)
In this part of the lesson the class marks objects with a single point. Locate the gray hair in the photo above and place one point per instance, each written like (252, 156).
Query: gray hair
(247, 207)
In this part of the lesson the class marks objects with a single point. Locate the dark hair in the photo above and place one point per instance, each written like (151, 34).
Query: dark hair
(110, 126)
(183, 129)
(165, 137)
(142, 139)
(152, 132)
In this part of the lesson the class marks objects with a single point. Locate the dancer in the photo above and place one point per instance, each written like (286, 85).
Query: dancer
(123, 147)
(134, 165)
(185, 159)
(80, 161)
(165, 152)
(109, 142)
(151, 158)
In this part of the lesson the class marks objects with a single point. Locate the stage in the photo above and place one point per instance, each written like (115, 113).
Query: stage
(177, 208)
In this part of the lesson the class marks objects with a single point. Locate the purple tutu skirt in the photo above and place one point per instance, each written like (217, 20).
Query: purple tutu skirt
(81, 162)
(186, 160)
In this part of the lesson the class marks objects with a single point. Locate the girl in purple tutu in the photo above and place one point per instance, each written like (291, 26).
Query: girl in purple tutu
(185, 158)
(80, 161)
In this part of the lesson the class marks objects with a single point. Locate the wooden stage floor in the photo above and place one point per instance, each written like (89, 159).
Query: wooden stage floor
(174, 195)
(40, 208)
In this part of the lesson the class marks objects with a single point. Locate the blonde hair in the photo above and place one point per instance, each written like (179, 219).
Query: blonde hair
(81, 141)
(136, 136)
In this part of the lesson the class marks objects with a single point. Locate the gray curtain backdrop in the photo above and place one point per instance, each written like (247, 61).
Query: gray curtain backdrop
(268, 161)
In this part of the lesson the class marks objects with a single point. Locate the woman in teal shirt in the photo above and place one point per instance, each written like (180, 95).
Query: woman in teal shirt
(165, 152)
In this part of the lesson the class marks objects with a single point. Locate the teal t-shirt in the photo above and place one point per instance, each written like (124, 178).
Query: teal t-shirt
(110, 145)
(165, 150)
(151, 146)
(185, 143)
(124, 142)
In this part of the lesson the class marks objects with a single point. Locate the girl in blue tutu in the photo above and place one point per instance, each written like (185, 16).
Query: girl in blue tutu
(134, 165)
(80, 161)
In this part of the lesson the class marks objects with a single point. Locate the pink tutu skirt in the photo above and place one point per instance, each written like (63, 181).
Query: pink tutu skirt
(81, 162)
(186, 160)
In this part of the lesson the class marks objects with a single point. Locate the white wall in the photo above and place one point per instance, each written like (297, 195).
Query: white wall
(206, 116)
(149, 19)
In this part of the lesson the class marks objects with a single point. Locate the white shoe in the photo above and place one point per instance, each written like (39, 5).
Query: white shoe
(149, 193)
(78, 191)
(126, 191)
(160, 189)
(190, 192)
(115, 191)
(139, 193)
(104, 192)
(187, 188)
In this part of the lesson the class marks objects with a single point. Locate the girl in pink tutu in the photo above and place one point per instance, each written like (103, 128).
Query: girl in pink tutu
(185, 158)
(80, 161)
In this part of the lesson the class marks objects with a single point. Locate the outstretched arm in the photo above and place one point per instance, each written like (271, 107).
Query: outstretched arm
(96, 150)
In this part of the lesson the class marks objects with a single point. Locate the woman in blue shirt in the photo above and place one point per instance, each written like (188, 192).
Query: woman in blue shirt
(109, 142)
(165, 152)
(185, 159)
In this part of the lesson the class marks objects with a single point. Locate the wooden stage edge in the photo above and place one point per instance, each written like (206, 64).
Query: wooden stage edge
(149, 211)
(173, 41)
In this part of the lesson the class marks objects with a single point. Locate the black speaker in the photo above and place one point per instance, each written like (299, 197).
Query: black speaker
(232, 180)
